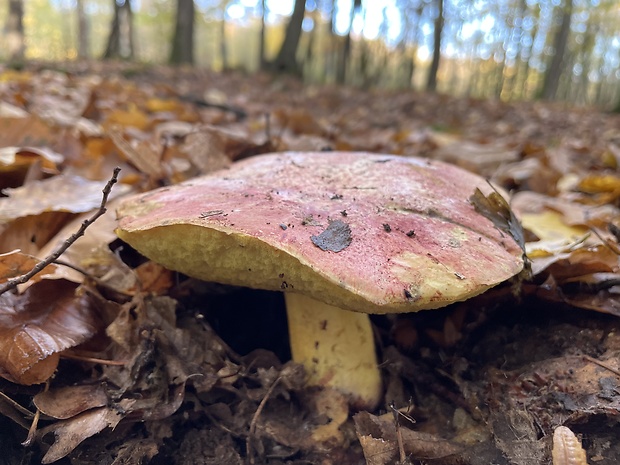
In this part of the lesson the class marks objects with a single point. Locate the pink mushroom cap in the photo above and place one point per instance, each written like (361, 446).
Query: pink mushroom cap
(365, 232)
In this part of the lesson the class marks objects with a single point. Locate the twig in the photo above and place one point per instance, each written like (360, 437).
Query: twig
(252, 432)
(601, 364)
(100, 361)
(13, 283)
(32, 431)
(399, 434)
(23, 410)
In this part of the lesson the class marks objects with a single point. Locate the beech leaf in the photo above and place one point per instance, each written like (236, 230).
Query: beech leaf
(34, 327)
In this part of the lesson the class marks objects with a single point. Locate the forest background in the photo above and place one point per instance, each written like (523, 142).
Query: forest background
(567, 50)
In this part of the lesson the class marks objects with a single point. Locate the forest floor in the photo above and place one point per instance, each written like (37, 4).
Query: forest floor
(115, 359)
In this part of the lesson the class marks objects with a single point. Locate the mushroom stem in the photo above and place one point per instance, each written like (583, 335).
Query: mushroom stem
(336, 347)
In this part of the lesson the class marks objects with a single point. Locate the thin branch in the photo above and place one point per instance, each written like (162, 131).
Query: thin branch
(601, 364)
(253, 423)
(13, 283)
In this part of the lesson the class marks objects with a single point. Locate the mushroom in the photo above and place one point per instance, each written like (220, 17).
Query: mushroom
(342, 234)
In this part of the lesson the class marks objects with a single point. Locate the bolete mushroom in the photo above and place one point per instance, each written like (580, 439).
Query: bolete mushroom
(342, 234)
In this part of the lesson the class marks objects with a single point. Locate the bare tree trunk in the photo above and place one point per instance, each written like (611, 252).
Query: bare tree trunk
(223, 44)
(516, 38)
(431, 83)
(113, 48)
(286, 61)
(83, 27)
(183, 39)
(343, 58)
(616, 108)
(15, 30)
(586, 64)
(261, 52)
(330, 50)
(120, 39)
(552, 75)
(128, 43)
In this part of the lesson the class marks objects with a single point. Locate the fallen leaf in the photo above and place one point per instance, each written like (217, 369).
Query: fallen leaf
(496, 209)
(70, 433)
(16, 263)
(71, 194)
(36, 326)
(66, 402)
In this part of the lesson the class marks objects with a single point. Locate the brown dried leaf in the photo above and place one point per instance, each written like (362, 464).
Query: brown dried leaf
(379, 440)
(16, 263)
(91, 252)
(30, 233)
(145, 157)
(17, 157)
(61, 193)
(70, 433)
(496, 209)
(483, 159)
(18, 132)
(69, 401)
(210, 148)
(35, 326)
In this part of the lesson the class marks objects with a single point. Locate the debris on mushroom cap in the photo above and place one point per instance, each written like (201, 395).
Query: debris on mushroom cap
(227, 227)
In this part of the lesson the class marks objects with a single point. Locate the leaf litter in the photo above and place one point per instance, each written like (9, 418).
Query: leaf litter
(126, 362)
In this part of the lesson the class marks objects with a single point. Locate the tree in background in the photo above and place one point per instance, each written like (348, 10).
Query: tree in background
(83, 49)
(262, 62)
(345, 55)
(554, 71)
(120, 39)
(431, 83)
(183, 39)
(15, 30)
(507, 49)
(407, 46)
(286, 60)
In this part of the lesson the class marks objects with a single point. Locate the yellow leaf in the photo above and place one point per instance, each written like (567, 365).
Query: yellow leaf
(548, 225)
(157, 104)
(130, 117)
(594, 183)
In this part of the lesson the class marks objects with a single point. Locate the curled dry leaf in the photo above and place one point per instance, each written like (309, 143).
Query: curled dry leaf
(570, 213)
(380, 441)
(18, 132)
(15, 158)
(16, 263)
(71, 194)
(70, 433)
(91, 252)
(69, 401)
(37, 325)
(567, 449)
(495, 208)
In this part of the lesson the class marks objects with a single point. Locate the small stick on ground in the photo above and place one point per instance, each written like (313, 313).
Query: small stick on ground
(252, 432)
(13, 283)
(601, 364)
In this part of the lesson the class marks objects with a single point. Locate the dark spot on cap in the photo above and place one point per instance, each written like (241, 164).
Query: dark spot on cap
(387, 227)
(335, 238)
